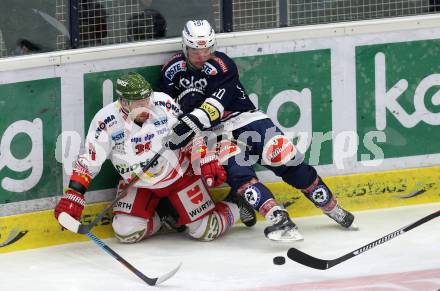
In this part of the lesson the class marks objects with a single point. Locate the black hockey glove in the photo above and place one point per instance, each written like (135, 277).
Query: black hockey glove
(190, 99)
(183, 131)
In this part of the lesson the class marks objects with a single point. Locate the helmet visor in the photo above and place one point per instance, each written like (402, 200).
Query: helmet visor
(130, 105)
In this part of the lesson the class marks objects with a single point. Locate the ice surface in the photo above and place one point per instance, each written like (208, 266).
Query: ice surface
(243, 259)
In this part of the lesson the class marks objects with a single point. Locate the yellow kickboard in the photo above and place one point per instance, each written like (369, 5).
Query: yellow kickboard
(354, 192)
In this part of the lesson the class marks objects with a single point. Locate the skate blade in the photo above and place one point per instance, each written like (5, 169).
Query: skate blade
(353, 227)
(283, 236)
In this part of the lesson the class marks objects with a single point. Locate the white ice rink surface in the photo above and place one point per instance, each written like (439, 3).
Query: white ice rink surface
(242, 260)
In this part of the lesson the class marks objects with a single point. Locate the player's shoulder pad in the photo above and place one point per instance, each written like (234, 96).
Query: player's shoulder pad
(174, 65)
(220, 63)
(164, 101)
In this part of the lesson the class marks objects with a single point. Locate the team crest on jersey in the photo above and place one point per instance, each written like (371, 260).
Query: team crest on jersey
(209, 69)
(174, 69)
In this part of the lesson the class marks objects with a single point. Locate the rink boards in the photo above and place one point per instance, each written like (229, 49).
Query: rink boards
(355, 192)
(360, 99)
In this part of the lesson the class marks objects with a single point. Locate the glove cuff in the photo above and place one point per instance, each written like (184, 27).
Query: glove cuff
(192, 123)
(74, 196)
(208, 159)
(187, 93)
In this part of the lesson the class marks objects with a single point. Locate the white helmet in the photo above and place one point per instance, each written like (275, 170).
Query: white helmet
(198, 34)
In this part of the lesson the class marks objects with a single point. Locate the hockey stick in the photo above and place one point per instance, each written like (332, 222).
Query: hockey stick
(312, 262)
(85, 228)
(148, 280)
(13, 236)
(68, 222)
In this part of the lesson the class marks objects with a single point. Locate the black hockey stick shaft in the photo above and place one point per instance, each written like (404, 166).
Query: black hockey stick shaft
(316, 263)
(149, 281)
(85, 228)
(14, 236)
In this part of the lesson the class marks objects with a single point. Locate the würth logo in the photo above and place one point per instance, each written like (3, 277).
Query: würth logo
(195, 195)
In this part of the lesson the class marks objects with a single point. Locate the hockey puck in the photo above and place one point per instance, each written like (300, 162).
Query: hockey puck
(280, 260)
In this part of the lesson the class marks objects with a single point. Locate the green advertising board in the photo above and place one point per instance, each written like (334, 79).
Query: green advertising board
(397, 93)
(290, 75)
(29, 127)
(397, 88)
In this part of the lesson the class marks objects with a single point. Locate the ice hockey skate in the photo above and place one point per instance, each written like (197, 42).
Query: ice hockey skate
(342, 217)
(247, 213)
(282, 229)
(168, 217)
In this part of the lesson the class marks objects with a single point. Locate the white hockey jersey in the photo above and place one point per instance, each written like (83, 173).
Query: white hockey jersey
(113, 135)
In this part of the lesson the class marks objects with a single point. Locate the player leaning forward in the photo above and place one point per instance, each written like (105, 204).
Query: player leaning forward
(129, 132)
(206, 84)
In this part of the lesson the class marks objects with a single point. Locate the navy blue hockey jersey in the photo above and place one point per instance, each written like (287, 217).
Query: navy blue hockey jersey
(223, 94)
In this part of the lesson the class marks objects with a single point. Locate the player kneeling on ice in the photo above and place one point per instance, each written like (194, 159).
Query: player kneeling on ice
(129, 132)
(206, 84)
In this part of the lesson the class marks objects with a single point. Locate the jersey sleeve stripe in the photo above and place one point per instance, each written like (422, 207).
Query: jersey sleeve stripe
(203, 117)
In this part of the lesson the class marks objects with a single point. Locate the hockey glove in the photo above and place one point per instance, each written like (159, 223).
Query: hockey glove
(72, 202)
(190, 99)
(183, 131)
(212, 171)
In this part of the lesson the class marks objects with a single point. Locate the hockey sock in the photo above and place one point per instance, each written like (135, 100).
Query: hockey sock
(259, 197)
(320, 195)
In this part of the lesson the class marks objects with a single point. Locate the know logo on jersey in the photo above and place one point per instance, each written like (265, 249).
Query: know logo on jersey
(102, 125)
(168, 105)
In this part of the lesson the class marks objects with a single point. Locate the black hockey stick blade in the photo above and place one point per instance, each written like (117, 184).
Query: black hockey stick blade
(306, 259)
(316, 263)
(13, 236)
(148, 280)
